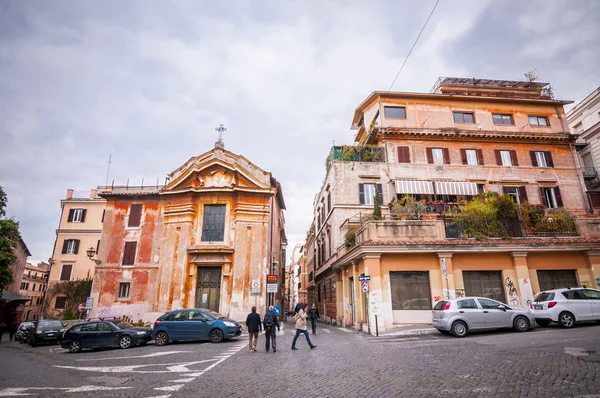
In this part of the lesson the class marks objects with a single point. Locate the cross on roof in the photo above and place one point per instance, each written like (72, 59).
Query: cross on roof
(220, 130)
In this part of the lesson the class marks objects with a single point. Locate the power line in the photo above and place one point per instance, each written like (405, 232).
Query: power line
(414, 44)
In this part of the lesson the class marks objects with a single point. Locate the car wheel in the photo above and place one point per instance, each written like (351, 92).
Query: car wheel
(459, 329)
(566, 319)
(216, 336)
(125, 342)
(161, 338)
(75, 346)
(543, 323)
(521, 324)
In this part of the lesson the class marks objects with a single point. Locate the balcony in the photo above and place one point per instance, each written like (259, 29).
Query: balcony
(509, 229)
(365, 153)
(589, 173)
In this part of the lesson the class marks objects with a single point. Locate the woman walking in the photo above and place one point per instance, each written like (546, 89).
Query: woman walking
(301, 327)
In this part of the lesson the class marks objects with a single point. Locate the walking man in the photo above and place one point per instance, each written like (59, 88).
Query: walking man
(313, 314)
(254, 326)
(270, 322)
(13, 329)
(301, 327)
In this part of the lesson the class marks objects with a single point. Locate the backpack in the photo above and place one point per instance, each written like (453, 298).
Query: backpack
(269, 319)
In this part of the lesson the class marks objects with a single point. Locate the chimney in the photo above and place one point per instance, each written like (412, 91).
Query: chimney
(93, 194)
(69, 194)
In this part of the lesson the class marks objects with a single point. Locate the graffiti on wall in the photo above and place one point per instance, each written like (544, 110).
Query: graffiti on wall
(513, 297)
(586, 284)
(460, 292)
(437, 298)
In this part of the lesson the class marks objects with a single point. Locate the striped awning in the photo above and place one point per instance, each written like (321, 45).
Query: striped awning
(455, 188)
(414, 187)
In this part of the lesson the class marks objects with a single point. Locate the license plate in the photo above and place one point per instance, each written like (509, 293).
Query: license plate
(538, 307)
(51, 334)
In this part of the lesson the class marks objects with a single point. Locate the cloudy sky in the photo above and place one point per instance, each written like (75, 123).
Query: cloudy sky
(148, 81)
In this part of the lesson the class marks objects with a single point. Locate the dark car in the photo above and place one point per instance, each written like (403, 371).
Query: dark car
(46, 331)
(194, 324)
(102, 333)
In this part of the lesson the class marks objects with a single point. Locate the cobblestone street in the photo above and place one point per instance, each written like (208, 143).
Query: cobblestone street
(543, 362)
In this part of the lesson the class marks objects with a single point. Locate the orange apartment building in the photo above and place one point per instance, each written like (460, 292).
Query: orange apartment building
(208, 239)
(467, 137)
(34, 285)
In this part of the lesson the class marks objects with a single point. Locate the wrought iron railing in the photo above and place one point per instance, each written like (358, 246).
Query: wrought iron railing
(457, 228)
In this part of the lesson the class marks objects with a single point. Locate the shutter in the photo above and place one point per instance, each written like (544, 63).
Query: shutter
(549, 159)
(76, 251)
(71, 213)
(65, 244)
(543, 197)
(83, 215)
(135, 215)
(97, 246)
(103, 214)
(480, 157)
(504, 190)
(463, 155)
(558, 197)
(380, 190)
(498, 157)
(533, 159)
(513, 157)
(65, 273)
(361, 193)
(403, 154)
(429, 155)
(446, 153)
(129, 253)
(523, 194)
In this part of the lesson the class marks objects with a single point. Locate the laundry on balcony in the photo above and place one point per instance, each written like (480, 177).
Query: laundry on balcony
(414, 187)
(455, 188)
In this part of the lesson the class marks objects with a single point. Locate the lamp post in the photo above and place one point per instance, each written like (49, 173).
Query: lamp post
(90, 253)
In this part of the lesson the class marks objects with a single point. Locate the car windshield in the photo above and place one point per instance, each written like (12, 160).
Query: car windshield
(543, 296)
(50, 324)
(213, 314)
(122, 325)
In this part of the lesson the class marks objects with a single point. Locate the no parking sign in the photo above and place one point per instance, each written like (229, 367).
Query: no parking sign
(365, 286)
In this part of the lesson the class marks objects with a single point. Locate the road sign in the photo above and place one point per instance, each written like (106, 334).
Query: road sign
(271, 283)
(255, 286)
(444, 268)
(365, 286)
(277, 310)
(81, 308)
(364, 278)
(89, 303)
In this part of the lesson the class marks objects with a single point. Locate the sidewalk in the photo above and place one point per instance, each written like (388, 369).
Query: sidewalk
(408, 330)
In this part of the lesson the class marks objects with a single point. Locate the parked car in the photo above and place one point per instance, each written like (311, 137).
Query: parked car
(566, 306)
(20, 331)
(46, 331)
(194, 324)
(103, 333)
(461, 315)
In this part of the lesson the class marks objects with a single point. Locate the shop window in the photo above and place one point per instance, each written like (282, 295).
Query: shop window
(484, 284)
(410, 290)
(557, 279)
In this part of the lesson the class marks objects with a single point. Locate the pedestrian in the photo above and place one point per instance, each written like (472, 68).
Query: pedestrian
(12, 331)
(301, 327)
(313, 314)
(270, 322)
(254, 326)
(299, 306)
(2, 328)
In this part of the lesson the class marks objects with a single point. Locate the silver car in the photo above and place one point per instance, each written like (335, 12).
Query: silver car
(461, 315)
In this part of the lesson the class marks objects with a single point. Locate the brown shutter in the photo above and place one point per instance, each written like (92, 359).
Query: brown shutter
(549, 159)
(513, 157)
(129, 253)
(463, 155)
(446, 153)
(543, 197)
(429, 153)
(97, 246)
(103, 214)
(135, 215)
(533, 159)
(65, 273)
(71, 213)
(403, 154)
(76, 251)
(64, 249)
(498, 157)
(522, 194)
(83, 215)
(480, 157)
(558, 197)
(361, 193)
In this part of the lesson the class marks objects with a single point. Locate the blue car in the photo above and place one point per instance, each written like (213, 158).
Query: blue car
(102, 333)
(194, 324)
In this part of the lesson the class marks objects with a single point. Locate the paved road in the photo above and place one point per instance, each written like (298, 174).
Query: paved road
(546, 362)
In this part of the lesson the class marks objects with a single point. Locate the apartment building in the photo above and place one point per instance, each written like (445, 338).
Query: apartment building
(34, 285)
(12, 302)
(441, 149)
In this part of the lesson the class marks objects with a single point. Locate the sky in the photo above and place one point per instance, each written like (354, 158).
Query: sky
(148, 81)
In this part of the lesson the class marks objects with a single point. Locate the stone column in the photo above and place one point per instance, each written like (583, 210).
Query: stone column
(447, 275)
(375, 295)
(523, 283)
(592, 258)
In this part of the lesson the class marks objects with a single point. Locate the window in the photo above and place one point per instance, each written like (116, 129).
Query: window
(472, 157)
(488, 304)
(90, 327)
(394, 112)
(484, 284)
(70, 246)
(328, 202)
(129, 253)
(76, 215)
(500, 119)
(22, 285)
(299, 285)
(541, 121)
(574, 295)
(196, 316)
(33, 288)
(438, 155)
(556, 279)
(403, 154)
(464, 117)
(60, 303)
(410, 290)
(179, 316)
(466, 304)
(591, 294)
(104, 327)
(135, 215)
(506, 158)
(517, 194)
(65, 273)
(551, 197)
(213, 228)
(541, 159)
(124, 289)
(366, 193)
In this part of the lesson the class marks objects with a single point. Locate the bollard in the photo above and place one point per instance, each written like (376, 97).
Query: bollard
(376, 327)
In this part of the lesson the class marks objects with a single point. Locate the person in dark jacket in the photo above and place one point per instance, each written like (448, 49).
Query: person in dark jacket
(270, 322)
(299, 306)
(254, 326)
(12, 331)
(313, 314)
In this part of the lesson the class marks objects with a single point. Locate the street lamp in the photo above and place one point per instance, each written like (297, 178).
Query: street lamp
(90, 253)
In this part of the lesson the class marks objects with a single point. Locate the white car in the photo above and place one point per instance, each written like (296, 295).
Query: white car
(566, 306)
